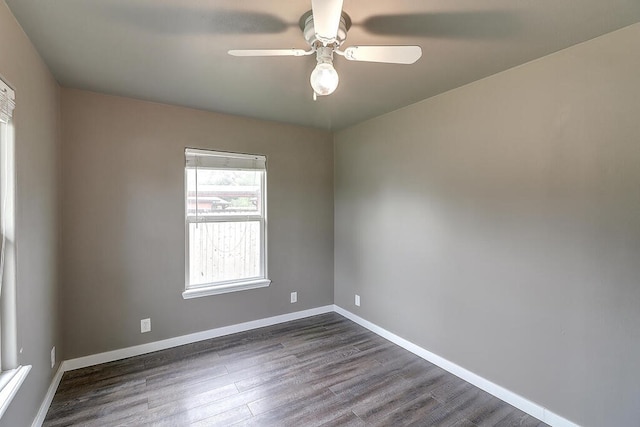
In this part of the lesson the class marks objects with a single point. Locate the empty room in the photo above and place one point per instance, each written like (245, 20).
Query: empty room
(320, 213)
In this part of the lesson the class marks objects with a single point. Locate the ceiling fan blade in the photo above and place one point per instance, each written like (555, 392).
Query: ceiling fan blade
(267, 52)
(388, 54)
(326, 19)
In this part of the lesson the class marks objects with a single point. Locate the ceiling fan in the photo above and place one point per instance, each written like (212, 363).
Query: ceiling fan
(325, 28)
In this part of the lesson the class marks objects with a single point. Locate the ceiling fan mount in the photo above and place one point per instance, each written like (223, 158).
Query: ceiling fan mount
(309, 32)
(325, 28)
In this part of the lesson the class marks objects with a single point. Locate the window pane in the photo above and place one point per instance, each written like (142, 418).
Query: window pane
(224, 192)
(220, 251)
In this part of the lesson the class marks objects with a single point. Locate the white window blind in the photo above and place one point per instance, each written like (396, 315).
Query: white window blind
(222, 160)
(7, 102)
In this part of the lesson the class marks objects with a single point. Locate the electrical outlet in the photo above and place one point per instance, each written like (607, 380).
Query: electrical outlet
(53, 356)
(294, 297)
(357, 300)
(145, 325)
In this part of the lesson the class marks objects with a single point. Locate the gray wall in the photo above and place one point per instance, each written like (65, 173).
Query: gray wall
(498, 226)
(123, 220)
(37, 219)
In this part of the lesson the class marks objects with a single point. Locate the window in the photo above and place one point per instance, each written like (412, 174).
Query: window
(11, 374)
(225, 222)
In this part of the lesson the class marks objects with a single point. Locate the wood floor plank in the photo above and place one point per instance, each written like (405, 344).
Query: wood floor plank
(493, 413)
(372, 410)
(88, 403)
(346, 420)
(319, 371)
(102, 414)
(229, 417)
(519, 420)
(311, 409)
(415, 412)
(464, 423)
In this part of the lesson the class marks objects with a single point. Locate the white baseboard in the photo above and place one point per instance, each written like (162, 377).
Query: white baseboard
(501, 393)
(48, 398)
(137, 350)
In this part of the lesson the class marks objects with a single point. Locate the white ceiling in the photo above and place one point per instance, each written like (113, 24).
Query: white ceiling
(174, 51)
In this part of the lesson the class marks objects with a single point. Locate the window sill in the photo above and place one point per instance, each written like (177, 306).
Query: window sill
(225, 288)
(11, 382)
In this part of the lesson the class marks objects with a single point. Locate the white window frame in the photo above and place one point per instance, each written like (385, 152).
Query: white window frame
(12, 375)
(220, 160)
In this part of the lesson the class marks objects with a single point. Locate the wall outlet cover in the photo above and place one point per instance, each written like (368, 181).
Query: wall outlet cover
(294, 297)
(53, 356)
(145, 325)
(357, 300)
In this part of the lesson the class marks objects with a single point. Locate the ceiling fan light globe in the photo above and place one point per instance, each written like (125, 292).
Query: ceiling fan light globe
(324, 79)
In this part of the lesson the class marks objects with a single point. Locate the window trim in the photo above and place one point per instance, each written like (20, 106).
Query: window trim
(227, 286)
(10, 382)
(224, 288)
(12, 375)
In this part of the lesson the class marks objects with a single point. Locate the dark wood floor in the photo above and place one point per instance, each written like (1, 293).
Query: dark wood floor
(319, 371)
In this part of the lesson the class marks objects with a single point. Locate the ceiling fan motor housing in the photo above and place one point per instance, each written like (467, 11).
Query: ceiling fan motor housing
(308, 30)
